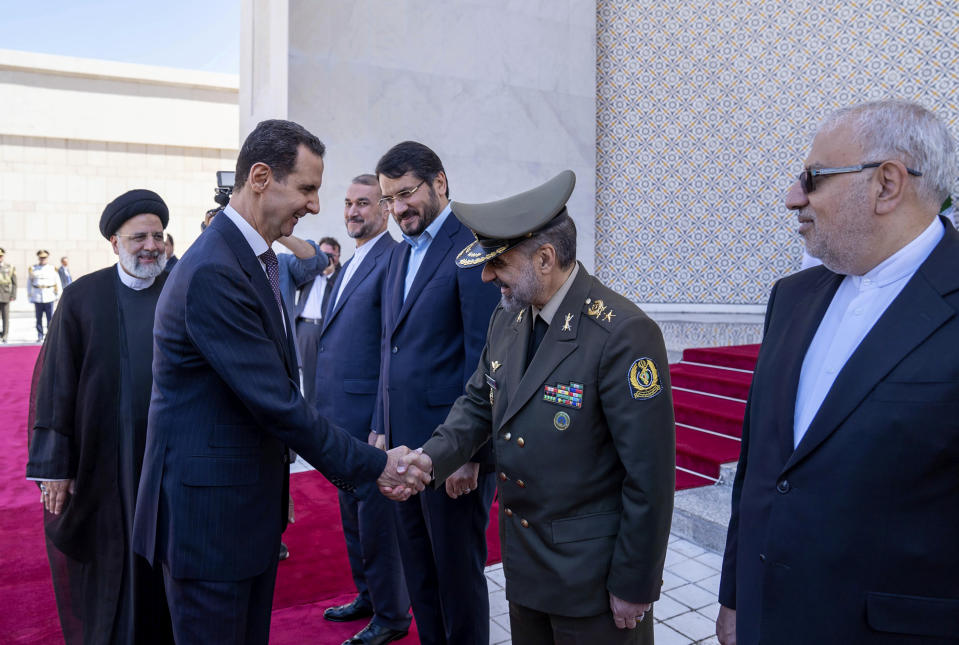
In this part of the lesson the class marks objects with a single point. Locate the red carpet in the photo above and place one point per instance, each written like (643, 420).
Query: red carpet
(29, 613)
(316, 576)
(710, 386)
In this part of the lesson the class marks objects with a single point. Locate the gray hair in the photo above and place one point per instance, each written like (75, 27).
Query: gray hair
(908, 132)
(561, 233)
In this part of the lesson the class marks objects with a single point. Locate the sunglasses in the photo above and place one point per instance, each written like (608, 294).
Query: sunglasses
(807, 177)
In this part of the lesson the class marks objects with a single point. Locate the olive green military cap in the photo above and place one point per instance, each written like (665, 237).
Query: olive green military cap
(499, 226)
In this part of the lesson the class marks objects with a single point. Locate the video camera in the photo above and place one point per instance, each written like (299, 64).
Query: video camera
(224, 186)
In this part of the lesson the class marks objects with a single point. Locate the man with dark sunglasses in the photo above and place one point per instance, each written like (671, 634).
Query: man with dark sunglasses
(842, 527)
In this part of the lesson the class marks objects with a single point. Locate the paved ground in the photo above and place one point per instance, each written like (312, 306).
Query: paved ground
(23, 323)
(685, 613)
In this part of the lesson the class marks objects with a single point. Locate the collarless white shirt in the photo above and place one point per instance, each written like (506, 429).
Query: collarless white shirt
(855, 308)
(135, 283)
(358, 256)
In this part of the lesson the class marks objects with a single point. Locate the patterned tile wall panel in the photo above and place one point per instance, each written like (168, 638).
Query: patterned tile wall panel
(705, 110)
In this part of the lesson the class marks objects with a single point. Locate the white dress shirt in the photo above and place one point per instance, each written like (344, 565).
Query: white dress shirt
(256, 242)
(350, 269)
(857, 305)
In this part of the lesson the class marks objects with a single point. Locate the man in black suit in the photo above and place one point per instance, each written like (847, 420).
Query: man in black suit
(226, 406)
(844, 524)
(345, 380)
(435, 318)
(312, 300)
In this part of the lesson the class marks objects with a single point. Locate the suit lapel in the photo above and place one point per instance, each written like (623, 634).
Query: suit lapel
(359, 276)
(558, 343)
(435, 255)
(911, 318)
(788, 350)
(276, 328)
(402, 255)
(512, 360)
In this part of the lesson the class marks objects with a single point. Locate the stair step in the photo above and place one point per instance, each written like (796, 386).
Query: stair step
(711, 380)
(704, 452)
(741, 357)
(709, 413)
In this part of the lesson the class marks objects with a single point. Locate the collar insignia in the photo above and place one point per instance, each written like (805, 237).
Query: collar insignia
(566, 327)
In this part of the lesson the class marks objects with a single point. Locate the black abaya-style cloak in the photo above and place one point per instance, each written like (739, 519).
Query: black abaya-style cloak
(90, 403)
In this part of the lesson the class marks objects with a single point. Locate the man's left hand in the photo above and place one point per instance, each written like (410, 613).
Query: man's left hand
(627, 615)
(464, 480)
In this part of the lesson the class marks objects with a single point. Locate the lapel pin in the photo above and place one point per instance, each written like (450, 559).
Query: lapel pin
(566, 327)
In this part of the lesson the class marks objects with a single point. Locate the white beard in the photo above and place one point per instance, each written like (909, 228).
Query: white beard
(131, 263)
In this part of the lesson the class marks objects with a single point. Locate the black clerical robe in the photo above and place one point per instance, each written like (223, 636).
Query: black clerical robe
(89, 404)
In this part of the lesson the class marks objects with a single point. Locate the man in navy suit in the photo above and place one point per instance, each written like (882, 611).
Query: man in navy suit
(345, 380)
(844, 526)
(435, 318)
(226, 404)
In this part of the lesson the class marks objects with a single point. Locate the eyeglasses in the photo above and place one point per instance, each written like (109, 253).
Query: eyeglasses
(140, 238)
(808, 184)
(402, 196)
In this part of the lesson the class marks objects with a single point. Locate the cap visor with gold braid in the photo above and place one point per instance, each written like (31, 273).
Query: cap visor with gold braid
(499, 226)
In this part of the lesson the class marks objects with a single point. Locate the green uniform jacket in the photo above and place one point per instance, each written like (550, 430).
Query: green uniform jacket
(584, 444)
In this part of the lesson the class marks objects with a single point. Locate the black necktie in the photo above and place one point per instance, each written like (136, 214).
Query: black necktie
(273, 274)
(535, 338)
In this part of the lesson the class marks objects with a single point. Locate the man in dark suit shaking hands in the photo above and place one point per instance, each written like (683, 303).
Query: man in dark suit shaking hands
(226, 405)
(844, 526)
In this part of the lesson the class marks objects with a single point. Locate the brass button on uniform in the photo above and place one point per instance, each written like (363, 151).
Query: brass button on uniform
(520, 442)
(521, 483)
(507, 436)
(525, 524)
(509, 512)
(502, 477)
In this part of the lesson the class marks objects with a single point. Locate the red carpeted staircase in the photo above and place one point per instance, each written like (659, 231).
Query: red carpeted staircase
(710, 385)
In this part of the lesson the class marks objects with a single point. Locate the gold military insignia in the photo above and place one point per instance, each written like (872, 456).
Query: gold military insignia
(644, 379)
(596, 309)
(495, 365)
(609, 316)
(566, 327)
(519, 316)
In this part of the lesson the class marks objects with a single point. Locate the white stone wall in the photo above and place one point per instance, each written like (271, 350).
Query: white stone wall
(76, 133)
(503, 90)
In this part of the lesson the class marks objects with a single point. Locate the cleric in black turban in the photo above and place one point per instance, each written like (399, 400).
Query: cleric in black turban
(130, 204)
(88, 420)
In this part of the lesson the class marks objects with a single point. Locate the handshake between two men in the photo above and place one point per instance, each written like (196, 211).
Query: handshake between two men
(407, 472)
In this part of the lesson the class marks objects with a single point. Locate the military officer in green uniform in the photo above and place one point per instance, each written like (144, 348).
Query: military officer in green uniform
(573, 391)
(8, 293)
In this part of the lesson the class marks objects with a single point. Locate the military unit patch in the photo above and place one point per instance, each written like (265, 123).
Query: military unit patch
(569, 395)
(643, 378)
(560, 420)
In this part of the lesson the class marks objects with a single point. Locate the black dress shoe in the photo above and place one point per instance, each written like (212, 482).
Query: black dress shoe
(353, 611)
(284, 552)
(374, 634)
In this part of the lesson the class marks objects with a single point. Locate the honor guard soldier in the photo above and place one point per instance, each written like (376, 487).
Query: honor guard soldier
(573, 391)
(43, 289)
